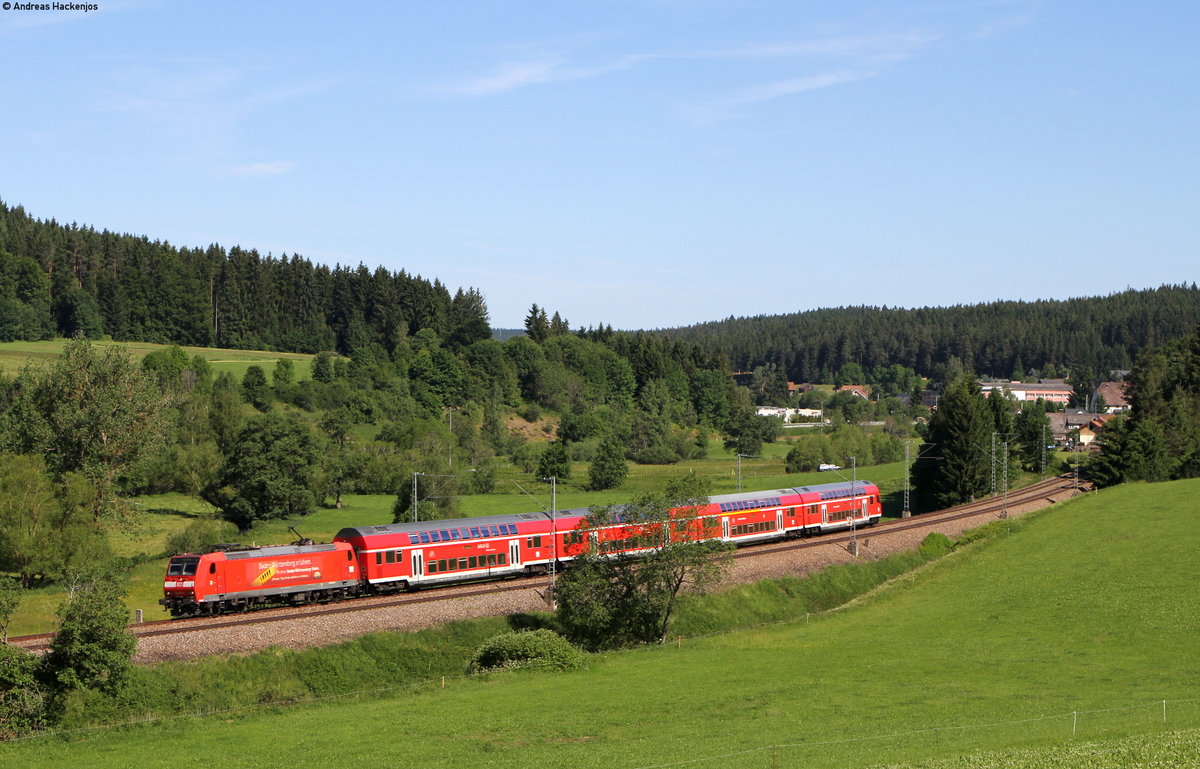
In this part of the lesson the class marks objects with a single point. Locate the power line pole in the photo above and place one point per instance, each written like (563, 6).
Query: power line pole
(553, 535)
(414, 496)
(1042, 453)
(993, 464)
(1004, 514)
(907, 512)
(739, 468)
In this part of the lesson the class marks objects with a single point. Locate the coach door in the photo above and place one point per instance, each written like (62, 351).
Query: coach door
(725, 528)
(514, 552)
(418, 564)
(779, 520)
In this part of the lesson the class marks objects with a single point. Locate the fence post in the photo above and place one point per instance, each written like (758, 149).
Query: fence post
(1074, 722)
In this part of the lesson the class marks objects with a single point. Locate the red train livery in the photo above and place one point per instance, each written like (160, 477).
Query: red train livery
(241, 579)
(376, 559)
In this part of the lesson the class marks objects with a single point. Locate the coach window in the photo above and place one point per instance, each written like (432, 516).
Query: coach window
(474, 531)
(212, 568)
(424, 538)
(378, 558)
(391, 557)
(431, 567)
(472, 562)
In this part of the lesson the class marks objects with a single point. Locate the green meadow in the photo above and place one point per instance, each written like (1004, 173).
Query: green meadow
(1063, 639)
(15, 355)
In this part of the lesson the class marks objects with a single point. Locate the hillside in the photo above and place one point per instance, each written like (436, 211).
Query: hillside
(1099, 333)
(1065, 642)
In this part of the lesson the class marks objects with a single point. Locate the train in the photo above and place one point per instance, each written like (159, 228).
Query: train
(371, 560)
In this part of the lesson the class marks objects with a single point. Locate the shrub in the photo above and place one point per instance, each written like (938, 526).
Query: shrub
(936, 545)
(21, 698)
(201, 535)
(528, 455)
(525, 649)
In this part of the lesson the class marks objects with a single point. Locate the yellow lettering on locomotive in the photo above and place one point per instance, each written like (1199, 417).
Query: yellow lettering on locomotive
(265, 576)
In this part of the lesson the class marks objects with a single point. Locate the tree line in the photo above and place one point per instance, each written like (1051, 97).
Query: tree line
(998, 339)
(70, 280)
(1160, 437)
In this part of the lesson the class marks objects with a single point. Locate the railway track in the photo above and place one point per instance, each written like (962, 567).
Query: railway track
(1051, 490)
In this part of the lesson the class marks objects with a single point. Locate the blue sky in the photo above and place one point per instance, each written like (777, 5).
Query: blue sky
(643, 164)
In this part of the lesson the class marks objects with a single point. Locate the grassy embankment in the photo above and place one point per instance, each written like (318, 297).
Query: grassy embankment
(1055, 643)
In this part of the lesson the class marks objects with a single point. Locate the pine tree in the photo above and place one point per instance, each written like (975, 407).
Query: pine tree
(955, 462)
(537, 325)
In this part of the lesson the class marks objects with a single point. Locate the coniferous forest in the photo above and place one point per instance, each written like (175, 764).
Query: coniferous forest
(999, 339)
(68, 280)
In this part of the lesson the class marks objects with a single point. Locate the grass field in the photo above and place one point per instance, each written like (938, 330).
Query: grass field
(15, 355)
(1055, 645)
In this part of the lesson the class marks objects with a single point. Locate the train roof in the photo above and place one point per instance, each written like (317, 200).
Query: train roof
(765, 498)
(458, 523)
(264, 551)
(769, 494)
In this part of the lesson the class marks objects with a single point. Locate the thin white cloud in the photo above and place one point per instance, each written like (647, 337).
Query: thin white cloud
(513, 75)
(864, 49)
(267, 168)
(794, 86)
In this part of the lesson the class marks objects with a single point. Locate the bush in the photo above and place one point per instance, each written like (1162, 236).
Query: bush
(201, 535)
(528, 455)
(526, 649)
(22, 702)
(936, 545)
(657, 454)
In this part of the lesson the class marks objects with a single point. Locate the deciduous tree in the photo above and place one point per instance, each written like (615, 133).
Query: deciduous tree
(95, 414)
(610, 468)
(606, 601)
(93, 648)
(270, 472)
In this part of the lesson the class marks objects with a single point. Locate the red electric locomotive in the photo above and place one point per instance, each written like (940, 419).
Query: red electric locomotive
(241, 579)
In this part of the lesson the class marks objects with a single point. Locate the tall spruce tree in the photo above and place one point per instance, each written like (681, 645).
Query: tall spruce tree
(537, 325)
(955, 463)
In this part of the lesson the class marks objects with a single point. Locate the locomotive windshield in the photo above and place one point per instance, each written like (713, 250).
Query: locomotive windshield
(182, 567)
